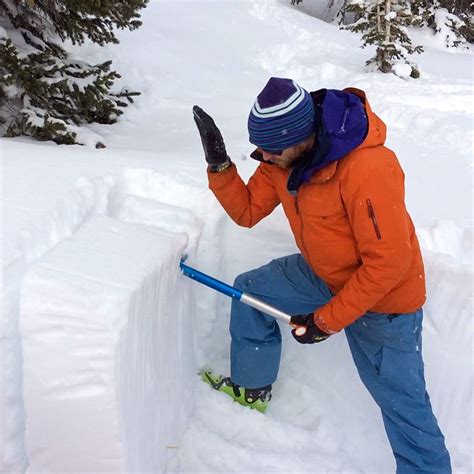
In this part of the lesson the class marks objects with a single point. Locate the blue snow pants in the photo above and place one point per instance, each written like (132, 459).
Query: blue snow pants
(386, 350)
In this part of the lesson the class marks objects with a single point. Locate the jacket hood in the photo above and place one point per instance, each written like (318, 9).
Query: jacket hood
(344, 122)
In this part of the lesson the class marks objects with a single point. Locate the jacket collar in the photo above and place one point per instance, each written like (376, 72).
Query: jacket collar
(318, 177)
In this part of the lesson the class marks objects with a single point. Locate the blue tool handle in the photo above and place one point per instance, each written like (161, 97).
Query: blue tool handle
(240, 296)
(210, 282)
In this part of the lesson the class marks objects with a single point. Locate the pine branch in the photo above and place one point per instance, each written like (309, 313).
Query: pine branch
(43, 92)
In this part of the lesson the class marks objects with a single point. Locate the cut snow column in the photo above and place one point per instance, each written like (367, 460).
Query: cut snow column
(106, 322)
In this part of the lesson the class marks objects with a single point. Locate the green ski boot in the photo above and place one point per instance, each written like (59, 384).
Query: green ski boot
(257, 398)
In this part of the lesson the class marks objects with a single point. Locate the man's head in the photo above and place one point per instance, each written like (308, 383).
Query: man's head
(281, 122)
(288, 157)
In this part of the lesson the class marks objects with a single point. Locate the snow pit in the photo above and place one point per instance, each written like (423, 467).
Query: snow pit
(106, 321)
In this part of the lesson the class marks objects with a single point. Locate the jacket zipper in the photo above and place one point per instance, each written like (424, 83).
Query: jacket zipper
(374, 219)
(302, 225)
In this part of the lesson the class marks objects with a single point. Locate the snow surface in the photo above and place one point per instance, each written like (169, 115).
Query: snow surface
(100, 334)
(402, 70)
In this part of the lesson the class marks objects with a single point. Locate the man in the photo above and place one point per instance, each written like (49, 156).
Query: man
(360, 268)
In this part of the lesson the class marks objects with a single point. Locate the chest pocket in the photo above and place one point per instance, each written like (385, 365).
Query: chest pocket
(327, 228)
(322, 202)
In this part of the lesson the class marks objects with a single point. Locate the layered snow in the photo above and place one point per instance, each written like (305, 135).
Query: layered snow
(101, 336)
(97, 315)
(102, 298)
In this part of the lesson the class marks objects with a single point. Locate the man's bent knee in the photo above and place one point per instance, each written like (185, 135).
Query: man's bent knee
(241, 281)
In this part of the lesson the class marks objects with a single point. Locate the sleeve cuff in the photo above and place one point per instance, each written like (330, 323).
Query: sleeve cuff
(319, 321)
(220, 167)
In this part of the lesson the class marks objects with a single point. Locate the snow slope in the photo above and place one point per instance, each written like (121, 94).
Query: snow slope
(60, 252)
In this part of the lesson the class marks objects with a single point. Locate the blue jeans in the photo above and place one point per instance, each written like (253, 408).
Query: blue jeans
(386, 350)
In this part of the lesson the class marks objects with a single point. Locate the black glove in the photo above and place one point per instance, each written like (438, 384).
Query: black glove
(211, 138)
(312, 334)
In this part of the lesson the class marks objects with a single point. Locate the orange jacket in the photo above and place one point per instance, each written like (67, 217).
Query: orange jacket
(349, 222)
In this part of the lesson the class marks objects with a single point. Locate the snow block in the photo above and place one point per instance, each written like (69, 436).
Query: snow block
(162, 216)
(106, 323)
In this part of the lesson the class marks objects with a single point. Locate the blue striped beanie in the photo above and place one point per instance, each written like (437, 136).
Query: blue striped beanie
(282, 116)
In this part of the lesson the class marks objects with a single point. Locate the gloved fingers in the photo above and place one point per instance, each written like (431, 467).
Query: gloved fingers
(199, 113)
(208, 130)
(202, 118)
(301, 320)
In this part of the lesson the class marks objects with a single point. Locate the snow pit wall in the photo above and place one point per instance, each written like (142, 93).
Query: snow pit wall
(142, 196)
(107, 349)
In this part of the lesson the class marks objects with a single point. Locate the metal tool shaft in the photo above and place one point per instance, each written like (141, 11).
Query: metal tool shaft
(234, 293)
(265, 308)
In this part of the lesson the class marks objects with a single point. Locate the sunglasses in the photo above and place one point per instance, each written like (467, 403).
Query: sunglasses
(270, 152)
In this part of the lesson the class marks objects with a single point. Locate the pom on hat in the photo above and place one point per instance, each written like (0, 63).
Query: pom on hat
(282, 116)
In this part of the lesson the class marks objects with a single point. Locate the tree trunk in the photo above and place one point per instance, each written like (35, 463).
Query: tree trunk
(379, 23)
(388, 10)
(383, 33)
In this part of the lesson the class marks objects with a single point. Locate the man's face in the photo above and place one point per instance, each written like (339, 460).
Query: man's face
(288, 157)
(285, 160)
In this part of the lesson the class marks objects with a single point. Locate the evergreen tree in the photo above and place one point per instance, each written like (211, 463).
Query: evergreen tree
(45, 93)
(450, 18)
(384, 24)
